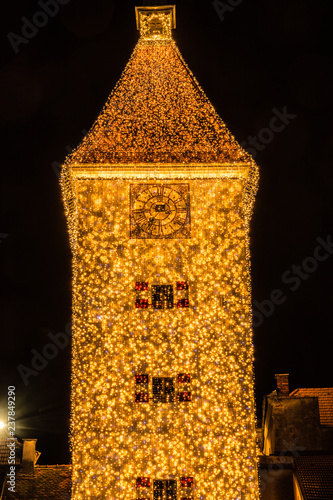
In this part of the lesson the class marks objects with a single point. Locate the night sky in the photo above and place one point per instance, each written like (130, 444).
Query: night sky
(265, 59)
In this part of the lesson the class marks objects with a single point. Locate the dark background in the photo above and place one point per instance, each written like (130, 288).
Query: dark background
(265, 54)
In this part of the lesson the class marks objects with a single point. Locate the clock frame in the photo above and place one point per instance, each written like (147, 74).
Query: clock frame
(160, 211)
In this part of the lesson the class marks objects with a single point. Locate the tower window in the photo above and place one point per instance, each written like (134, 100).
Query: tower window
(163, 390)
(184, 392)
(141, 388)
(165, 489)
(162, 296)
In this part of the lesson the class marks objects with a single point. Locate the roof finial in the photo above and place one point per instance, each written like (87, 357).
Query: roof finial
(156, 23)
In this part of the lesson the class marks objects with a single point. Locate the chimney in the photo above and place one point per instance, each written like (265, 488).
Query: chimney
(29, 455)
(282, 384)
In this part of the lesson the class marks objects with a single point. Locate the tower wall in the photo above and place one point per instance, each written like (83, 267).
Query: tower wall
(211, 437)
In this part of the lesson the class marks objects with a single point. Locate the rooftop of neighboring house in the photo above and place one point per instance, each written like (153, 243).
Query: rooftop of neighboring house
(325, 400)
(5, 439)
(47, 482)
(38, 482)
(315, 476)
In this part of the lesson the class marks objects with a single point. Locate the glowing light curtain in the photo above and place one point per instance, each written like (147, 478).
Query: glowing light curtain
(161, 394)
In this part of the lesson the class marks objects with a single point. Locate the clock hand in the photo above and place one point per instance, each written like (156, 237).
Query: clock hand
(151, 222)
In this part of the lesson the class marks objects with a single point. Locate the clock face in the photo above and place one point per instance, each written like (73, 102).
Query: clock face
(160, 211)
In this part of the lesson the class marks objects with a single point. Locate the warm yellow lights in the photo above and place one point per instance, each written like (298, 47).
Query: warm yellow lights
(159, 128)
(156, 23)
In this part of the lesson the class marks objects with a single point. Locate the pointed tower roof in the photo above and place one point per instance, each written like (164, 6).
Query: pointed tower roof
(157, 112)
(157, 124)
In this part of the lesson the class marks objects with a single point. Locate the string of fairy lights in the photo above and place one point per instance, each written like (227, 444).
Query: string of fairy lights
(162, 395)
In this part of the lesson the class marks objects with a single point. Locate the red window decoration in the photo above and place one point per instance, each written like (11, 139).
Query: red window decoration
(184, 396)
(183, 295)
(141, 379)
(141, 393)
(141, 303)
(141, 285)
(181, 303)
(182, 285)
(143, 482)
(141, 397)
(186, 482)
(184, 393)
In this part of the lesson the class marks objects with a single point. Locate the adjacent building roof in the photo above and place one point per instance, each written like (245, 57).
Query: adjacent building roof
(325, 400)
(48, 482)
(315, 476)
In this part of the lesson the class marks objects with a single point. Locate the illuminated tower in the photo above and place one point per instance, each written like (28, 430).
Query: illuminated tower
(158, 198)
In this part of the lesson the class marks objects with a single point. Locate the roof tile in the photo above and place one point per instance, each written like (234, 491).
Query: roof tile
(158, 113)
(315, 475)
(325, 400)
(5, 439)
(48, 482)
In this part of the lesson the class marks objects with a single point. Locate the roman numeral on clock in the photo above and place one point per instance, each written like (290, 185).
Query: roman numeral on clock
(140, 219)
(159, 193)
(150, 224)
(178, 220)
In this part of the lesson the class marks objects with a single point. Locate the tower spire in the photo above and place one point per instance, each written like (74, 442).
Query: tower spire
(156, 22)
